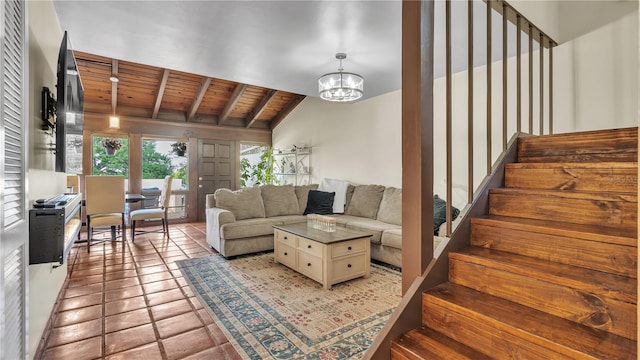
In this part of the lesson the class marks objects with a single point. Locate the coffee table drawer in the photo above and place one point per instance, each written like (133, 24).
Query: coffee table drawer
(310, 246)
(286, 255)
(285, 238)
(348, 268)
(349, 247)
(310, 266)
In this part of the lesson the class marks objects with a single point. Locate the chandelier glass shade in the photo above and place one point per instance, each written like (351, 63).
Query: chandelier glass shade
(341, 86)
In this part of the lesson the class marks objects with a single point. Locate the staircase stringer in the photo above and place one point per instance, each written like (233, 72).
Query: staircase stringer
(408, 314)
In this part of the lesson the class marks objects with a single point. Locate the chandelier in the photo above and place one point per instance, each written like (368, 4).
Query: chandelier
(341, 86)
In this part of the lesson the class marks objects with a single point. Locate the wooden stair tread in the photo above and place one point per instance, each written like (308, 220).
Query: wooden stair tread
(537, 327)
(588, 146)
(554, 242)
(612, 210)
(581, 279)
(591, 195)
(618, 176)
(425, 343)
(619, 236)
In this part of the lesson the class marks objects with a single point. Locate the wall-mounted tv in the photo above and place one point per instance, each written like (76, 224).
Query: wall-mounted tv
(69, 111)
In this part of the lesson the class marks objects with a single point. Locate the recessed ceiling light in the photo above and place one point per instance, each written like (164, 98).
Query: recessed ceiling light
(114, 78)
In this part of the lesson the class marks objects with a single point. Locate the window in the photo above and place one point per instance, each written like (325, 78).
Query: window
(162, 157)
(111, 157)
(256, 165)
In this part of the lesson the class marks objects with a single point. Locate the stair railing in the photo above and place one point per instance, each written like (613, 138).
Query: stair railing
(419, 116)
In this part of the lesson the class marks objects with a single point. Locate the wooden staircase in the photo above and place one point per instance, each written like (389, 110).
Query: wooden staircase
(551, 270)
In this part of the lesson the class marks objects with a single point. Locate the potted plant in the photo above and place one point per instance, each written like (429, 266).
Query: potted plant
(111, 145)
(179, 148)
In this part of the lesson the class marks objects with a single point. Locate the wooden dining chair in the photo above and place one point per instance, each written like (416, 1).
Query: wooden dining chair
(104, 198)
(157, 213)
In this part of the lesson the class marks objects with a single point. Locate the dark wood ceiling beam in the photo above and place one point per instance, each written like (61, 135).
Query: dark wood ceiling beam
(253, 116)
(204, 85)
(160, 93)
(233, 100)
(286, 110)
(114, 86)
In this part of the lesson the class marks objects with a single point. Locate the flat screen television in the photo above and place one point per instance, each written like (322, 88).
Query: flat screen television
(69, 111)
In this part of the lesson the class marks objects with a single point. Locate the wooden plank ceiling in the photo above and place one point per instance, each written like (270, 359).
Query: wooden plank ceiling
(145, 91)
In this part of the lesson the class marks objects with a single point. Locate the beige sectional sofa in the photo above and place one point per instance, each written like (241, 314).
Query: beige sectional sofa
(241, 222)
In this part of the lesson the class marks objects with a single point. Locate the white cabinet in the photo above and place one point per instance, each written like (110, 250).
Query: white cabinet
(292, 166)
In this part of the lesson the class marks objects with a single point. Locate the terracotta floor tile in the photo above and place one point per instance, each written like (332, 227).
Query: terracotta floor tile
(152, 269)
(125, 293)
(80, 301)
(178, 324)
(83, 273)
(126, 320)
(165, 275)
(217, 353)
(216, 334)
(146, 352)
(196, 303)
(129, 339)
(192, 342)
(160, 286)
(120, 267)
(75, 332)
(165, 296)
(84, 281)
(174, 308)
(147, 263)
(122, 283)
(231, 352)
(78, 315)
(205, 317)
(187, 290)
(122, 274)
(83, 290)
(79, 350)
(124, 305)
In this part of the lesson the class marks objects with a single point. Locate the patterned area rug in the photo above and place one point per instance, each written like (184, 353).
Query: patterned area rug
(269, 311)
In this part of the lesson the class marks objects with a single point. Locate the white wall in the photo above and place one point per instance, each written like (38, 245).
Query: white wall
(601, 69)
(45, 281)
(359, 142)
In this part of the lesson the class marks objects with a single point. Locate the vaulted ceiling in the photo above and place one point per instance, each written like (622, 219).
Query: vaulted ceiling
(145, 91)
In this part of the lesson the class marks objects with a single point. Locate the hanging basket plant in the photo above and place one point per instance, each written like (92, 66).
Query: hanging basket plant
(111, 145)
(179, 148)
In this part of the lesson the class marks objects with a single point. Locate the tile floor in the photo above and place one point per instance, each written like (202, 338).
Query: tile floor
(134, 304)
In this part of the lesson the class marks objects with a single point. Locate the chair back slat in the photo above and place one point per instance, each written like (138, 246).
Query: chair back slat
(165, 195)
(104, 194)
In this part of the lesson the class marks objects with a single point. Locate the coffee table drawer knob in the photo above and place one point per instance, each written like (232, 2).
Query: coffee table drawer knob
(285, 254)
(308, 246)
(349, 265)
(349, 248)
(308, 264)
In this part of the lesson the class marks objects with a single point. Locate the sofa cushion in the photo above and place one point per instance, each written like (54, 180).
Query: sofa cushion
(374, 227)
(279, 200)
(249, 228)
(365, 201)
(392, 238)
(244, 203)
(340, 188)
(350, 189)
(390, 210)
(320, 202)
(302, 193)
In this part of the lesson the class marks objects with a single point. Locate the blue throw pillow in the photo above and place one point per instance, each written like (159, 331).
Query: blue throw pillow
(440, 213)
(319, 202)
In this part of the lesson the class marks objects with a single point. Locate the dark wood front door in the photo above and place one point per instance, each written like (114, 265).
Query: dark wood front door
(216, 169)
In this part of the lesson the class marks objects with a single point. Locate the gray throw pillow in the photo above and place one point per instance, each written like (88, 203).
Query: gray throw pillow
(302, 193)
(244, 203)
(365, 201)
(279, 200)
(390, 210)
